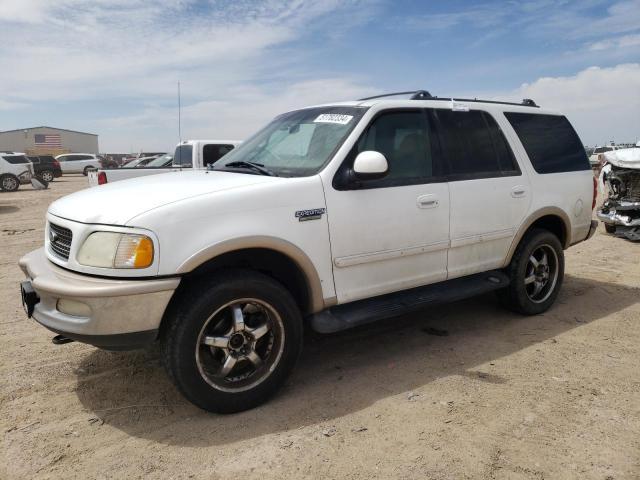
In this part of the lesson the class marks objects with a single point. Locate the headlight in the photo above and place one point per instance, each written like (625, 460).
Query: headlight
(116, 250)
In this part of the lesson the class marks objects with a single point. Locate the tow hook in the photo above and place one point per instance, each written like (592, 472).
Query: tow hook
(61, 340)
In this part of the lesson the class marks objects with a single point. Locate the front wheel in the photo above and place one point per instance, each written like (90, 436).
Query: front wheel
(232, 343)
(536, 272)
(9, 183)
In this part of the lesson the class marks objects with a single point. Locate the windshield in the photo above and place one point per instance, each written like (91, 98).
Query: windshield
(160, 161)
(297, 143)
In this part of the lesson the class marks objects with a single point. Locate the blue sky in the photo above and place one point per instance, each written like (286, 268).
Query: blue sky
(111, 66)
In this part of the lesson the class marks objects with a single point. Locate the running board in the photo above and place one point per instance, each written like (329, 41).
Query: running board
(349, 315)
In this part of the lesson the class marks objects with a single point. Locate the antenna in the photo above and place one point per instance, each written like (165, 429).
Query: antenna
(179, 117)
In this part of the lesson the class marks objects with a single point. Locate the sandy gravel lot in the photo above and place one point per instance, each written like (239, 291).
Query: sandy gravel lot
(500, 397)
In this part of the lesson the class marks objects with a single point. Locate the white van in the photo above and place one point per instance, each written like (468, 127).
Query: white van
(78, 162)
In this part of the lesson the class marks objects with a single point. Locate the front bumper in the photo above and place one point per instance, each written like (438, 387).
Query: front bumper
(121, 313)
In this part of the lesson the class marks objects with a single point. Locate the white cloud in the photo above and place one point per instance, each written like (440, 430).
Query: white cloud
(602, 103)
(625, 41)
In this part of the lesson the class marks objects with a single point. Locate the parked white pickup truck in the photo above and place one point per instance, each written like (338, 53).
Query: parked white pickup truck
(330, 217)
(188, 154)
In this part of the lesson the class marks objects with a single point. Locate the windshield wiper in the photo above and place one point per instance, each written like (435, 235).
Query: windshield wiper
(256, 167)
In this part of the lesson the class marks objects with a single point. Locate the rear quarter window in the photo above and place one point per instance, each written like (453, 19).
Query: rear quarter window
(551, 143)
(16, 159)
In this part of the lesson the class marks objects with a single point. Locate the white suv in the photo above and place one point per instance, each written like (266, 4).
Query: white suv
(330, 217)
(15, 169)
(78, 162)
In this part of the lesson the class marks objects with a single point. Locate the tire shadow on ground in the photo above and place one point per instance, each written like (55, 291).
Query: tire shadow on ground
(341, 373)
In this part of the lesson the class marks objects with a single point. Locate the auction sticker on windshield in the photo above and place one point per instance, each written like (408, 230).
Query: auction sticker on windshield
(333, 118)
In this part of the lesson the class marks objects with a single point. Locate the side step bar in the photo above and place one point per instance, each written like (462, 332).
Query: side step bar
(349, 315)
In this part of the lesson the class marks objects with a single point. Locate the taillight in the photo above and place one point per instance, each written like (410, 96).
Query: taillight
(56, 164)
(595, 193)
(102, 179)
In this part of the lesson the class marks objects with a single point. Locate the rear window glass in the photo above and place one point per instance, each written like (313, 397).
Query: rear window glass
(182, 156)
(16, 159)
(550, 141)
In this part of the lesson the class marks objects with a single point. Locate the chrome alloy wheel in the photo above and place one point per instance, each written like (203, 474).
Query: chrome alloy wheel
(541, 273)
(47, 176)
(240, 345)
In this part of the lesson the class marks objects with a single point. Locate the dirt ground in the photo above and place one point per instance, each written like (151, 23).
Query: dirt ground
(500, 397)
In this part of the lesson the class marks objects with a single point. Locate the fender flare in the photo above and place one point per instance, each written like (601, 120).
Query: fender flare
(297, 255)
(531, 219)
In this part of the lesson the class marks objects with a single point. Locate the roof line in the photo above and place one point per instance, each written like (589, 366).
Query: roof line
(52, 128)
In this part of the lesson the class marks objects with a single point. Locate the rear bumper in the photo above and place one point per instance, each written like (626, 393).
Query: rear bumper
(109, 313)
(592, 229)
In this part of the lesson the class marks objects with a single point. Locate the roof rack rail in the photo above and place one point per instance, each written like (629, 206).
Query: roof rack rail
(415, 95)
(425, 95)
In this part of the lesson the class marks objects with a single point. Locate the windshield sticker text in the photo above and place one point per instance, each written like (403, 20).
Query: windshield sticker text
(333, 118)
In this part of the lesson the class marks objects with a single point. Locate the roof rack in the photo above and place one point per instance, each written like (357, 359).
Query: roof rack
(415, 95)
(425, 95)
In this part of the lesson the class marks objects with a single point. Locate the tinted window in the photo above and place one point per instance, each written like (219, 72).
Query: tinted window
(34, 159)
(550, 142)
(212, 153)
(46, 159)
(404, 138)
(182, 156)
(473, 145)
(16, 159)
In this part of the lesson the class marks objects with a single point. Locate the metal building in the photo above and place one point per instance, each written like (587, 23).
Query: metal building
(48, 141)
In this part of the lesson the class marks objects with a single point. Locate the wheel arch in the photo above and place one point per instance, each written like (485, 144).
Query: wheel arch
(552, 219)
(276, 257)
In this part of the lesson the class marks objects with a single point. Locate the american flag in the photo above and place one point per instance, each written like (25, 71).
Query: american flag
(48, 141)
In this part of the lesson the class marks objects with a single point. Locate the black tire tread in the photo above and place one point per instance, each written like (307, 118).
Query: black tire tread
(194, 295)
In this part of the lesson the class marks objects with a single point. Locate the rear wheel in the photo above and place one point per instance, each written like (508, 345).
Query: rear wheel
(9, 183)
(536, 272)
(46, 175)
(85, 172)
(231, 345)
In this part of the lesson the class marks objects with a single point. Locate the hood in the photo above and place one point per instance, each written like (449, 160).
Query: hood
(624, 158)
(118, 202)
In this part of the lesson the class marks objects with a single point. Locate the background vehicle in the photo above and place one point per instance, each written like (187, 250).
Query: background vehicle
(15, 169)
(597, 156)
(328, 218)
(46, 167)
(78, 162)
(188, 154)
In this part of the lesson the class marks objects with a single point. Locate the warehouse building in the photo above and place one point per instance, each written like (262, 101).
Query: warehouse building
(48, 141)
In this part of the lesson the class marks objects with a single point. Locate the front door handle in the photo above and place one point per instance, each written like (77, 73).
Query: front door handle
(519, 191)
(428, 201)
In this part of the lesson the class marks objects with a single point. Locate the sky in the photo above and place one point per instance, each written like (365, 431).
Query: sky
(111, 67)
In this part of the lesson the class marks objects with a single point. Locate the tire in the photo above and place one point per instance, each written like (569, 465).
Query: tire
(211, 356)
(532, 289)
(47, 176)
(85, 172)
(9, 183)
(610, 228)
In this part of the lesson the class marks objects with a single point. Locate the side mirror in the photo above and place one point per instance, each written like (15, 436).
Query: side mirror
(370, 165)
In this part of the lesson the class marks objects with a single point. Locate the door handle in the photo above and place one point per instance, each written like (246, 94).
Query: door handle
(427, 201)
(519, 191)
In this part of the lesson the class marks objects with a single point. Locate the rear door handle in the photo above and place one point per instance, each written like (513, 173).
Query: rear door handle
(519, 191)
(428, 201)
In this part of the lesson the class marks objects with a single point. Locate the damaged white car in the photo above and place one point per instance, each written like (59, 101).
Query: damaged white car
(620, 177)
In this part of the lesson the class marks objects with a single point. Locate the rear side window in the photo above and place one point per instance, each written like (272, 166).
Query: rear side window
(16, 159)
(473, 145)
(550, 141)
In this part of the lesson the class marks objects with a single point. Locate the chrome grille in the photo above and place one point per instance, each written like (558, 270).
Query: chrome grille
(60, 240)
